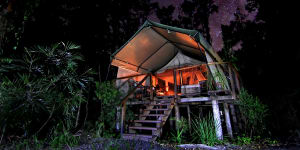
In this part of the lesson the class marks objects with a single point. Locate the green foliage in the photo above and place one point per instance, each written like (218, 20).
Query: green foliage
(24, 144)
(178, 136)
(109, 98)
(42, 88)
(253, 112)
(62, 137)
(243, 140)
(204, 131)
(270, 141)
(107, 93)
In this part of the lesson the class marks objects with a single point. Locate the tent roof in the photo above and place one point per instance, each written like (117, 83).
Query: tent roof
(155, 47)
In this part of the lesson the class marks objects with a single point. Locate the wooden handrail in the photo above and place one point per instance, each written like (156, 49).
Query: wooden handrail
(133, 90)
(131, 76)
(125, 99)
(123, 84)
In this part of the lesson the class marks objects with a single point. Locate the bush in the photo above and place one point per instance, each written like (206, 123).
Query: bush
(178, 136)
(109, 98)
(62, 137)
(42, 88)
(253, 113)
(204, 130)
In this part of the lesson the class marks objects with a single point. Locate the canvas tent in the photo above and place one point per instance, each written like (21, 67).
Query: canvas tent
(155, 48)
(171, 64)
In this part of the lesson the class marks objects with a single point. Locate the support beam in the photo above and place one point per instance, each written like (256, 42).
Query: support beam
(227, 120)
(118, 118)
(234, 120)
(122, 119)
(231, 82)
(177, 113)
(189, 118)
(151, 89)
(237, 78)
(201, 111)
(217, 119)
(171, 120)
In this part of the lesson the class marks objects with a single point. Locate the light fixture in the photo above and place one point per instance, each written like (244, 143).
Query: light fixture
(168, 31)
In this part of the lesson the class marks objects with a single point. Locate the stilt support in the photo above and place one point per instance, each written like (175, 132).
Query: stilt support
(234, 120)
(217, 119)
(227, 120)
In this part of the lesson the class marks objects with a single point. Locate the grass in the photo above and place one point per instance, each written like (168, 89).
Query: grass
(204, 131)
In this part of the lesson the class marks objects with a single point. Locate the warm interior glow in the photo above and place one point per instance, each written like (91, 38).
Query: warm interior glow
(163, 83)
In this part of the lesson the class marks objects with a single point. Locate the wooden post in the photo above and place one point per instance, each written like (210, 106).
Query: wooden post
(118, 118)
(227, 120)
(217, 119)
(236, 79)
(177, 113)
(234, 120)
(200, 112)
(122, 119)
(171, 120)
(231, 82)
(151, 88)
(189, 118)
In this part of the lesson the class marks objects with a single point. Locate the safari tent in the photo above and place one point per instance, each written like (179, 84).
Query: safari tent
(163, 67)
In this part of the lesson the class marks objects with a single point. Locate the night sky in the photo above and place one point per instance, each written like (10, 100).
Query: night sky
(225, 14)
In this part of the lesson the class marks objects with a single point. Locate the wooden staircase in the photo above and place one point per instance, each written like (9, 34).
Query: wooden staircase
(151, 120)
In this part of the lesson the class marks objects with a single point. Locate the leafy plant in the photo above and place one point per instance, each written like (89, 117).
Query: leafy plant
(253, 112)
(46, 81)
(178, 136)
(109, 98)
(62, 137)
(243, 140)
(204, 130)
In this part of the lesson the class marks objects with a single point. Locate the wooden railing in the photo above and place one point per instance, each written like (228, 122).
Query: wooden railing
(230, 74)
(125, 99)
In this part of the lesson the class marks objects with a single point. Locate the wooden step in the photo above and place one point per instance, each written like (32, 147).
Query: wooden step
(143, 128)
(148, 121)
(159, 109)
(154, 115)
(137, 137)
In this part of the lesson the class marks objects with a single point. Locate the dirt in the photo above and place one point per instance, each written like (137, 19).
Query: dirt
(122, 144)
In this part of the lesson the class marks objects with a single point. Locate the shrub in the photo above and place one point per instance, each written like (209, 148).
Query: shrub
(243, 140)
(253, 112)
(204, 130)
(62, 137)
(109, 98)
(178, 136)
(40, 89)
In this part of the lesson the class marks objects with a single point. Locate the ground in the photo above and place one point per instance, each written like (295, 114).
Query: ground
(120, 144)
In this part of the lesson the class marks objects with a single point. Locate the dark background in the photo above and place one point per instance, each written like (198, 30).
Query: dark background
(267, 60)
